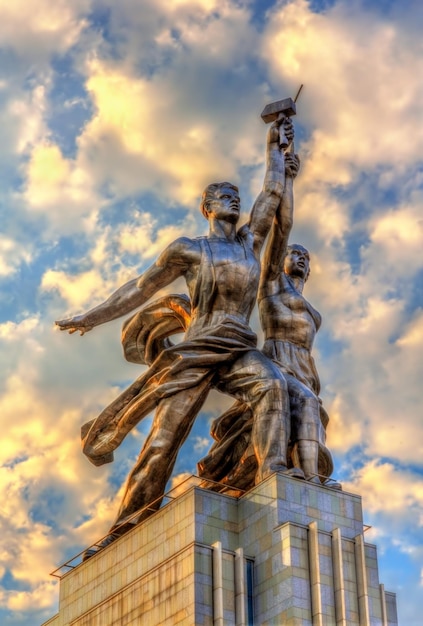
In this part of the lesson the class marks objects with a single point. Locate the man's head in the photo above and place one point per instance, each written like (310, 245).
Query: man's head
(221, 200)
(297, 261)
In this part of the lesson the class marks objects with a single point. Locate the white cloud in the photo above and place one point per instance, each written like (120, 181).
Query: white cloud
(388, 489)
(41, 28)
(360, 91)
(138, 237)
(373, 382)
(11, 255)
(25, 113)
(397, 238)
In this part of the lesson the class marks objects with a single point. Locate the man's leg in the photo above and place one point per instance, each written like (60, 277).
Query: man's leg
(172, 423)
(147, 481)
(255, 380)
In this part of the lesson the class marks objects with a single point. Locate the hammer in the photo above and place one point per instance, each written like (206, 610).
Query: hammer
(272, 111)
(281, 108)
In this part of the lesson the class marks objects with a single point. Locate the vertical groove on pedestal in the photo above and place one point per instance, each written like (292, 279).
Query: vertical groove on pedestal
(217, 584)
(338, 578)
(383, 603)
(363, 598)
(316, 592)
(240, 596)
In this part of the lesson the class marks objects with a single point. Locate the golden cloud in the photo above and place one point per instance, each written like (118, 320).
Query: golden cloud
(75, 290)
(386, 488)
(132, 119)
(360, 89)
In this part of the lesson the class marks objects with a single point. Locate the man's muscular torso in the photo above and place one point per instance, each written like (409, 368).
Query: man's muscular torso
(236, 272)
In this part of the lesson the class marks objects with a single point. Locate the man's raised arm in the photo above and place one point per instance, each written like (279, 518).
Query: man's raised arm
(171, 264)
(265, 206)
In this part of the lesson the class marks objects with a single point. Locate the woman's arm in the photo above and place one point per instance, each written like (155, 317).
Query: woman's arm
(277, 244)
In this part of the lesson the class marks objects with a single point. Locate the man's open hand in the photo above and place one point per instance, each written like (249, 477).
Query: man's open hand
(73, 324)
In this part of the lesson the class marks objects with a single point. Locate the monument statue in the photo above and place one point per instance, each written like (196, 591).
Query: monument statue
(289, 324)
(222, 272)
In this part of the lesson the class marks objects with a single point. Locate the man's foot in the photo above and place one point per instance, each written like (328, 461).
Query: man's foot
(332, 484)
(96, 459)
(89, 552)
(294, 472)
(329, 482)
(314, 479)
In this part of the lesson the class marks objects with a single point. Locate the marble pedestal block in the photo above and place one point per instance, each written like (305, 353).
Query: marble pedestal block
(286, 553)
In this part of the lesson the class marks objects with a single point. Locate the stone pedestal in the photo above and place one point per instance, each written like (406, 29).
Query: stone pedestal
(287, 552)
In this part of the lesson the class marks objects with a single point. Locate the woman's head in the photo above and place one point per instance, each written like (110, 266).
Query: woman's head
(297, 261)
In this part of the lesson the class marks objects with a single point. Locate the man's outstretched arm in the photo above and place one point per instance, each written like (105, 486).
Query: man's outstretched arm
(265, 206)
(171, 264)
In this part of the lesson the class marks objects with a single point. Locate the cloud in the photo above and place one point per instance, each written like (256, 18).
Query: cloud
(157, 130)
(12, 254)
(75, 290)
(48, 173)
(397, 238)
(359, 89)
(373, 381)
(24, 115)
(114, 256)
(60, 190)
(45, 29)
(42, 597)
(122, 137)
(145, 238)
(201, 444)
(51, 495)
(388, 490)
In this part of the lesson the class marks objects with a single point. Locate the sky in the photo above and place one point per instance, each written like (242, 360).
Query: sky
(114, 116)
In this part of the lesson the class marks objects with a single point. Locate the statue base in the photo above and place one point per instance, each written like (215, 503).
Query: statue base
(286, 552)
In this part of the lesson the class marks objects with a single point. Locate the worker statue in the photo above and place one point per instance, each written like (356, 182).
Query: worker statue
(222, 273)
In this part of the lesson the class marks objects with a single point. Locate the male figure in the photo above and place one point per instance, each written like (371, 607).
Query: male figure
(289, 324)
(222, 273)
